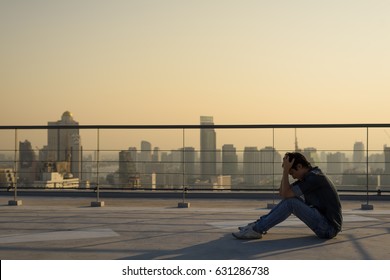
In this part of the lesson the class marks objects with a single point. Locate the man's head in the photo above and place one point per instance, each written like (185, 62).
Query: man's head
(300, 166)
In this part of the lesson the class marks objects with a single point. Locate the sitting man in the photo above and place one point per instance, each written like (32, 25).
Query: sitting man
(312, 198)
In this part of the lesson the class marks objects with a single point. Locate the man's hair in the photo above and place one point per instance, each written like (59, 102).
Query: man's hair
(299, 159)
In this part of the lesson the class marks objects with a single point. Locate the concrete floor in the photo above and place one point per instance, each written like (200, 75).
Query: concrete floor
(59, 228)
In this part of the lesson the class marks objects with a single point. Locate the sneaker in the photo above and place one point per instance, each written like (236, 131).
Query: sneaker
(248, 233)
(248, 225)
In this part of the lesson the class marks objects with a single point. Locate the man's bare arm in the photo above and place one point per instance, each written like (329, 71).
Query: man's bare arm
(285, 190)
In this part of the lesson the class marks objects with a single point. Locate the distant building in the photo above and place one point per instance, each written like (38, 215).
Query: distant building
(269, 165)
(28, 170)
(336, 165)
(145, 158)
(55, 175)
(358, 156)
(208, 147)
(385, 177)
(158, 169)
(55, 180)
(65, 144)
(311, 155)
(128, 176)
(251, 166)
(7, 178)
(229, 160)
(188, 164)
(224, 182)
(145, 165)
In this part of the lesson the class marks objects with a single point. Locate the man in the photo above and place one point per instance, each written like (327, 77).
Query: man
(312, 198)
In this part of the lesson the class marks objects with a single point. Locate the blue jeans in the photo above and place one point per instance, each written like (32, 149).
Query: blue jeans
(310, 216)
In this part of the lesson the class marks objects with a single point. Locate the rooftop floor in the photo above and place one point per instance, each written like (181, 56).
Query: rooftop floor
(61, 228)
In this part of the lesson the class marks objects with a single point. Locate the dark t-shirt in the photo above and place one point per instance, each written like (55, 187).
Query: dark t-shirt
(319, 192)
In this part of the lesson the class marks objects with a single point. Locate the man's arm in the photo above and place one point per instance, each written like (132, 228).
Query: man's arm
(285, 190)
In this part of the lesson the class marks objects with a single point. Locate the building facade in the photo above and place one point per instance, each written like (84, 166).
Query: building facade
(251, 166)
(28, 165)
(229, 160)
(208, 147)
(128, 176)
(64, 145)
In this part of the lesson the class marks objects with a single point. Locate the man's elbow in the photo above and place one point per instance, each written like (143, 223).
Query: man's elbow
(286, 193)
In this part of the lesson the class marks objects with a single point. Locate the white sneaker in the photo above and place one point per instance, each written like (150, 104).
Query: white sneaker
(248, 233)
(248, 225)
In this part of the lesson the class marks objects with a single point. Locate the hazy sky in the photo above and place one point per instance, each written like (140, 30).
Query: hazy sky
(171, 61)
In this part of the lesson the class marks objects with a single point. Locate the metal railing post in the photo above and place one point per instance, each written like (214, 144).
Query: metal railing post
(15, 202)
(183, 204)
(272, 205)
(97, 203)
(15, 183)
(367, 206)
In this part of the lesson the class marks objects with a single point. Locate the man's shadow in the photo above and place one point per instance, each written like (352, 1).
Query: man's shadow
(229, 248)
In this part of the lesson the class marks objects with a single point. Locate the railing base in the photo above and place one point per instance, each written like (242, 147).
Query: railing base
(183, 205)
(367, 207)
(97, 204)
(15, 203)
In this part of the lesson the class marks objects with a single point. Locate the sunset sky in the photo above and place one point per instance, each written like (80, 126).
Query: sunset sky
(171, 61)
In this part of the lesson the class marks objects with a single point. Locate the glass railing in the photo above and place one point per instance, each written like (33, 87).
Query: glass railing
(196, 158)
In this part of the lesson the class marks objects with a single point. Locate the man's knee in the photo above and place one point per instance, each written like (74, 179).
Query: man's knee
(291, 200)
(292, 203)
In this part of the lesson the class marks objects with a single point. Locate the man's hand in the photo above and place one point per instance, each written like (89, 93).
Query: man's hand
(285, 188)
(287, 164)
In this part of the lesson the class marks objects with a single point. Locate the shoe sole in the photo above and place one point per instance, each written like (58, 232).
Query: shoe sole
(241, 228)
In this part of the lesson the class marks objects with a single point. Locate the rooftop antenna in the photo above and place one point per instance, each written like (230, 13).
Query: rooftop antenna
(296, 140)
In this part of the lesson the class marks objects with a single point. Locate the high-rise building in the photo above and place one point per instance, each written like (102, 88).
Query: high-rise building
(251, 166)
(145, 158)
(229, 160)
(336, 164)
(311, 155)
(64, 145)
(208, 147)
(188, 164)
(270, 161)
(156, 155)
(385, 177)
(358, 156)
(28, 167)
(127, 168)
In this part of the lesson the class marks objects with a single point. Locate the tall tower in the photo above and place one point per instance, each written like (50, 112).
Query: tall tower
(208, 146)
(358, 156)
(65, 145)
(145, 158)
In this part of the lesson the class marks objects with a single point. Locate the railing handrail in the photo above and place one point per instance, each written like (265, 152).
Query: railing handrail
(196, 126)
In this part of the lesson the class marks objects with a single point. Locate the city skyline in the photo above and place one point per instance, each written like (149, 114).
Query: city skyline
(66, 144)
(253, 166)
(169, 62)
(64, 162)
(285, 139)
